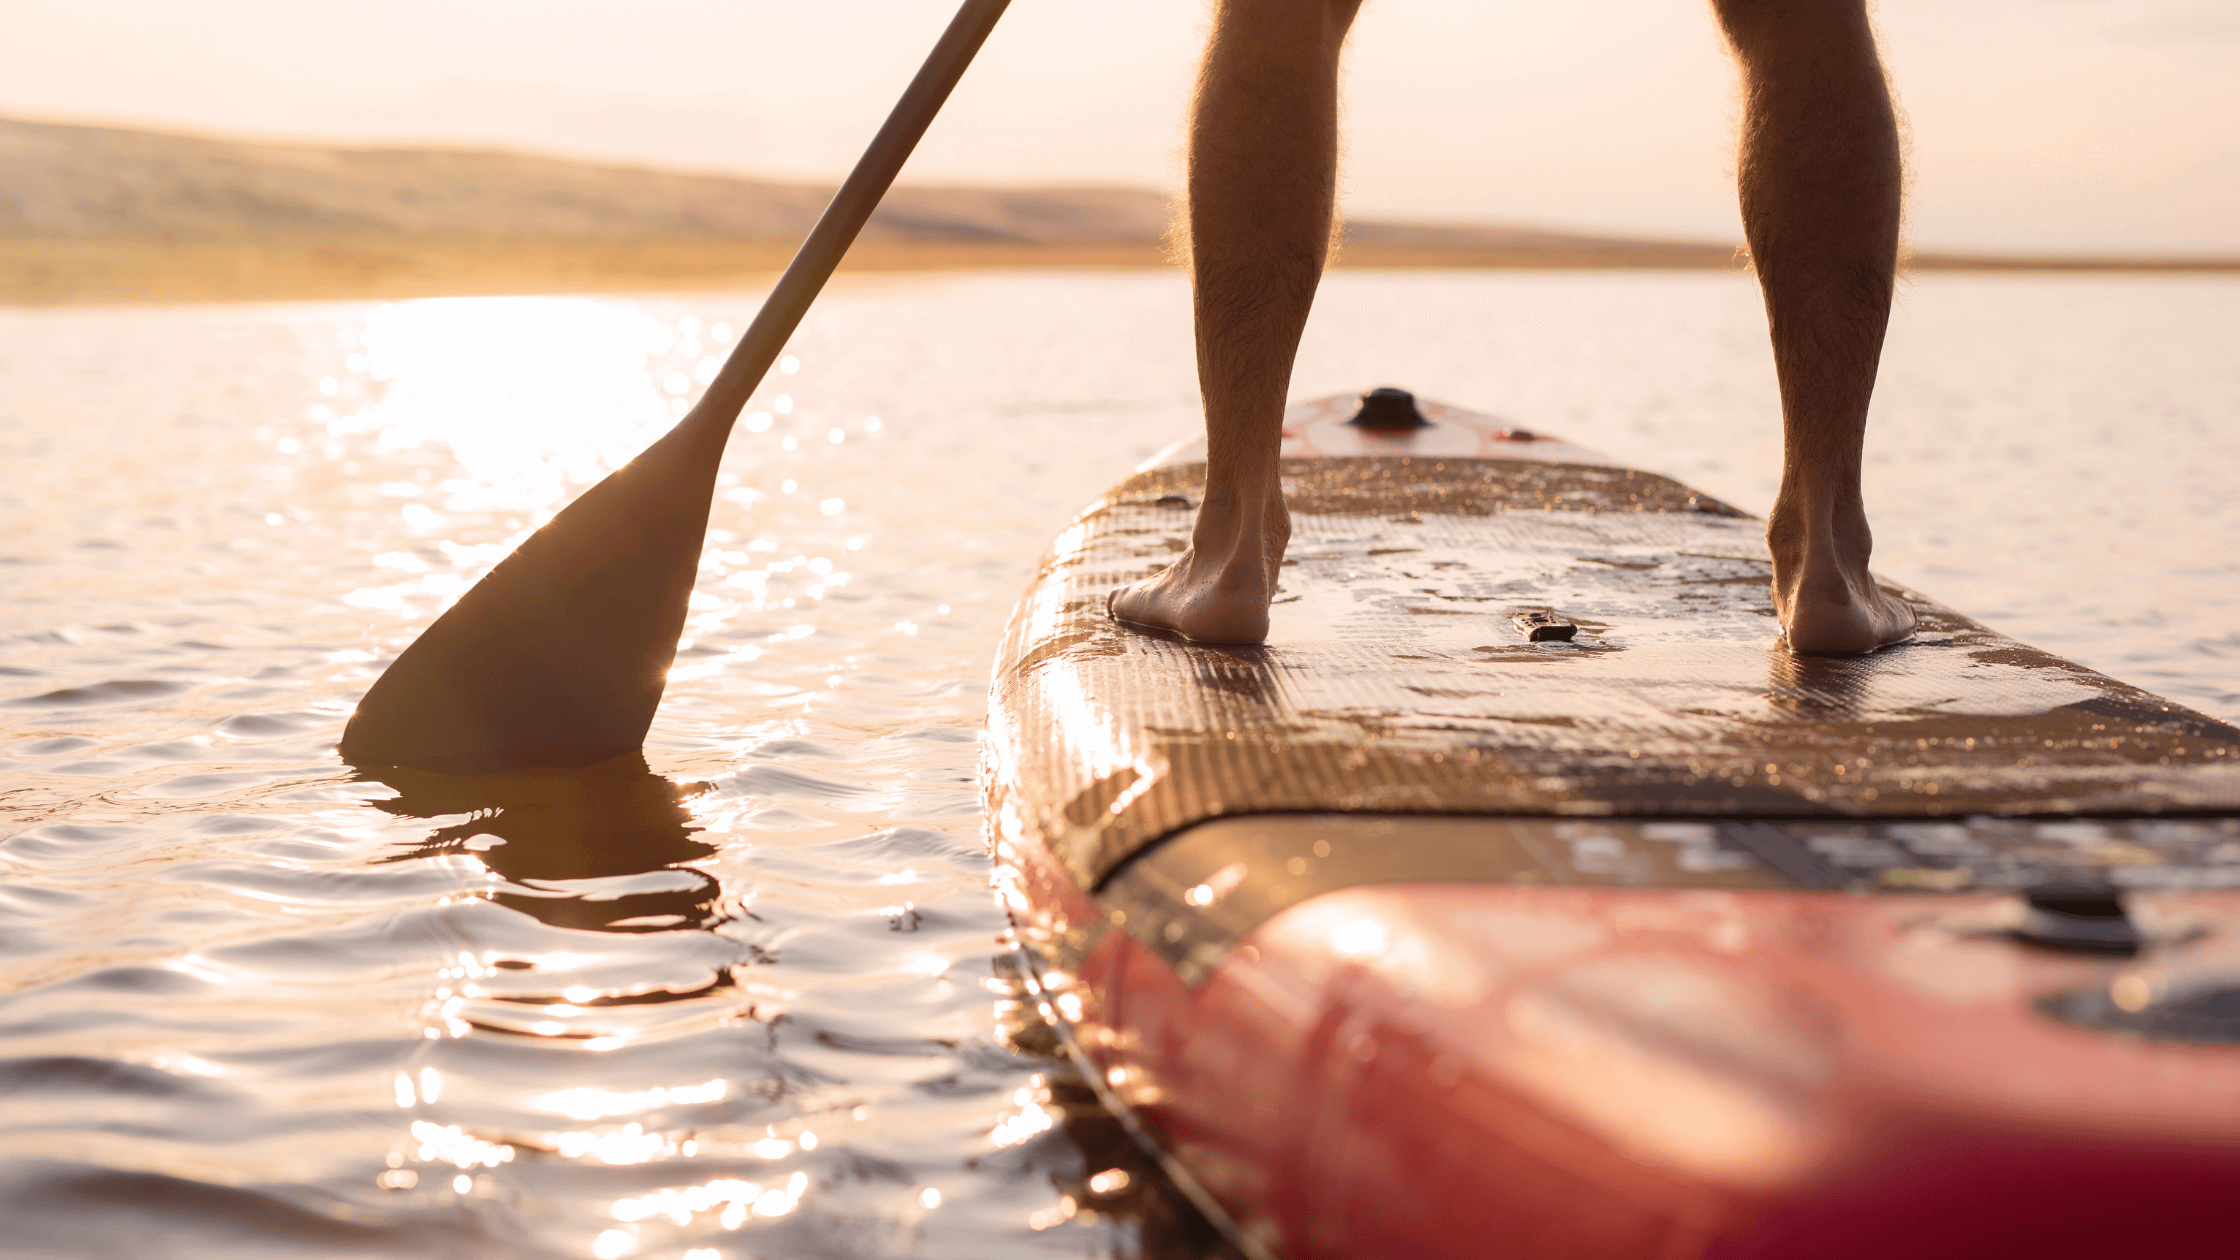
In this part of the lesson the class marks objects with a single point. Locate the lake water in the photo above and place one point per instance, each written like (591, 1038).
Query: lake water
(245, 1010)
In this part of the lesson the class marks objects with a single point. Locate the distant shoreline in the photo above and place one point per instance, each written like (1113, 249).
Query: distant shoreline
(106, 215)
(79, 272)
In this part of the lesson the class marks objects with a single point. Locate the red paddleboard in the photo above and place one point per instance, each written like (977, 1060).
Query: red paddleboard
(1524, 896)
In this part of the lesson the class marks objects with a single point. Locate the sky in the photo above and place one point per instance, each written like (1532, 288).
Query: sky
(2035, 125)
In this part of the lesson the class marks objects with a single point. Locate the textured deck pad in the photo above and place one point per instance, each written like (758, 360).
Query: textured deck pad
(1395, 682)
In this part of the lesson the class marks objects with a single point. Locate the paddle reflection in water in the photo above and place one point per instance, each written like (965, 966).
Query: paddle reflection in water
(604, 848)
(552, 1071)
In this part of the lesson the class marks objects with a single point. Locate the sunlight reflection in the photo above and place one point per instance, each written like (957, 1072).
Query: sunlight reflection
(711, 668)
(455, 1146)
(1031, 1119)
(1358, 939)
(591, 1103)
(1099, 746)
(535, 396)
(1065, 1210)
(630, 1144)
(736, 1198)
(188, 1063)
(201, 969)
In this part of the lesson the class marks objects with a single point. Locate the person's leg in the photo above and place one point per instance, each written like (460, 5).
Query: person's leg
(1263, 177)
(1821, 181)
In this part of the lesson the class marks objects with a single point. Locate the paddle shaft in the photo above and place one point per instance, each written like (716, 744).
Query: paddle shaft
(558, 657)
(836, 229)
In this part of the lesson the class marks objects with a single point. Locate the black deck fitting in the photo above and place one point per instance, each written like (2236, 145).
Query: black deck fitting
(1389, 408)
(1541, 625)
(2082, 920)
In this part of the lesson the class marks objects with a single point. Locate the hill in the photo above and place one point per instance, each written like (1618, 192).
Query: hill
(109, 214)
(61, 182)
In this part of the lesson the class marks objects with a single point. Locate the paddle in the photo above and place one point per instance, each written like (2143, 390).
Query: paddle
(558, 656)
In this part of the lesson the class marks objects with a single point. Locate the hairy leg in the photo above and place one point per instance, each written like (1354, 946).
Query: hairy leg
(1821, 181)
(1263, 177)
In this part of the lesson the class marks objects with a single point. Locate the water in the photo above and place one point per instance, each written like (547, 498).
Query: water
(744, 1005)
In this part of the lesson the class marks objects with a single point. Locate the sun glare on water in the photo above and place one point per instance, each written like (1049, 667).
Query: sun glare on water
(537, 397)
(510, 407)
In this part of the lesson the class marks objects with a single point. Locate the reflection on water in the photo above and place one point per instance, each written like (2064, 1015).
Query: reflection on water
(1823, 688)
(577, 399)
(739, 999)
(573, 848)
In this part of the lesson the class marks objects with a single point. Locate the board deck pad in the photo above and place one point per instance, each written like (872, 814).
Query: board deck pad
(1395, 682)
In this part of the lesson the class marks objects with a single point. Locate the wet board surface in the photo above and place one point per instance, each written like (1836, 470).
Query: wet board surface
(1408, 931)
(1395, 681)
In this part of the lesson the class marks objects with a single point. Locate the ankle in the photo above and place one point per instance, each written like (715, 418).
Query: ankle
(1806, 506)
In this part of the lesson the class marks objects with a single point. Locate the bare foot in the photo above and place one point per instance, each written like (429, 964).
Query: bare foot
(1217, 591)
(1826, 599)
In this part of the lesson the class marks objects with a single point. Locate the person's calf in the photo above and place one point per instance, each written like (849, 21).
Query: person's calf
(1761, 30)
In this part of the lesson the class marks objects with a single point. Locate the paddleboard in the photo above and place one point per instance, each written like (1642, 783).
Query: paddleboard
(1524, 896)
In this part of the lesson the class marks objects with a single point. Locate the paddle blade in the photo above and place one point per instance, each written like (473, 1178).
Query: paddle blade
(558, 656)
